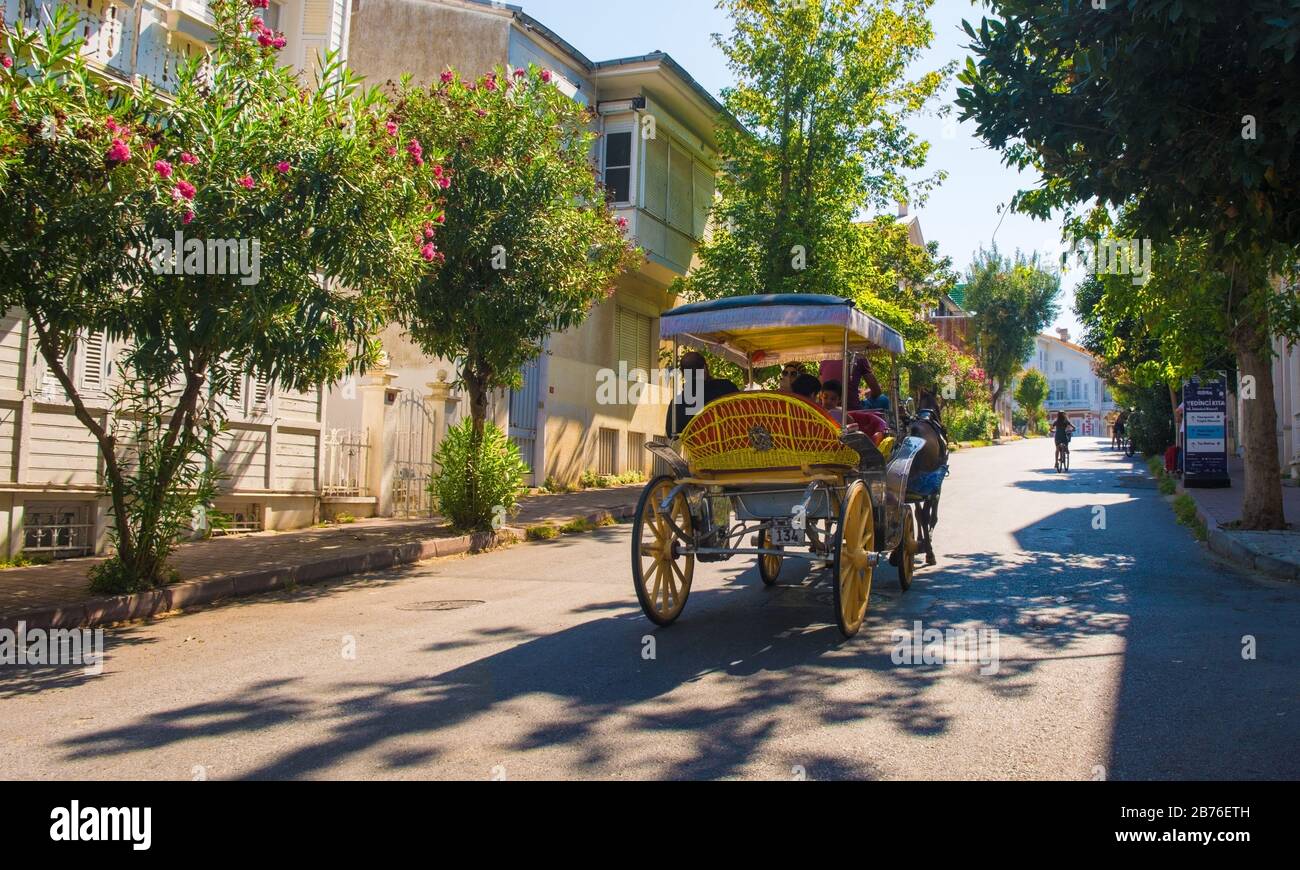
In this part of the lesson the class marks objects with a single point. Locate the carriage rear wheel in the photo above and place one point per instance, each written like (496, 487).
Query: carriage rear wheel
(662, 574)
(855, 543)
(769, 567)
(904, 558)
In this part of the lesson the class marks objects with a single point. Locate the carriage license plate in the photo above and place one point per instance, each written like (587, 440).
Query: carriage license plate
(784, 534)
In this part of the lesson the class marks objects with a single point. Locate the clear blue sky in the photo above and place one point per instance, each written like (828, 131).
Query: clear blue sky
(961, 215)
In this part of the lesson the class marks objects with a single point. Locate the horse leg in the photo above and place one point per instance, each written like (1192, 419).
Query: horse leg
(930, 518)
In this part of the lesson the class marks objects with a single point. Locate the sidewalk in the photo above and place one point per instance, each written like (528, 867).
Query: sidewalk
(1276, 554)
(55, 595)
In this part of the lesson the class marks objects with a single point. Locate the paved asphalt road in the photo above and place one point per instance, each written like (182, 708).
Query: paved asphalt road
(1120, 653)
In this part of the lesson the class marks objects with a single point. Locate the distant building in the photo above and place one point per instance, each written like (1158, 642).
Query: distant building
(1074, 386)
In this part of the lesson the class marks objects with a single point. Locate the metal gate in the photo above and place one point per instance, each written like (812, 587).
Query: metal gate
(524, 403)
(413, 456)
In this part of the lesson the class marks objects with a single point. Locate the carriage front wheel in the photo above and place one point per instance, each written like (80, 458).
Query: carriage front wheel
(855, 544)
(904, 558)
(769, 567)
(662, 574)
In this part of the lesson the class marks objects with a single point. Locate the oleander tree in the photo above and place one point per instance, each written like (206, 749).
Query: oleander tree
(529, 244)
(299, 210)
(1184, 115)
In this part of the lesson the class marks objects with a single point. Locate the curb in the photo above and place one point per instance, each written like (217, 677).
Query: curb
(195, 593)
(1237, 551)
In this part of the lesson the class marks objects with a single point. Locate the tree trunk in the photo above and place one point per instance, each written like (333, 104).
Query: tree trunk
(1262, 503)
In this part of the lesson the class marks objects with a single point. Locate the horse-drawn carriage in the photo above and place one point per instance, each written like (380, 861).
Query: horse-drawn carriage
(775, 471)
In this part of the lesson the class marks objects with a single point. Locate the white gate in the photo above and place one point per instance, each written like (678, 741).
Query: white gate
(413, 456)
(524, 403)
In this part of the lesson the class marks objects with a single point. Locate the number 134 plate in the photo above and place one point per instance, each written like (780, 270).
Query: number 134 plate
(784, 534)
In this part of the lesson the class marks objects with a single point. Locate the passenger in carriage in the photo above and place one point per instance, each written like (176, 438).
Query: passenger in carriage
(831, 395)
(699, 387)
(803, 385)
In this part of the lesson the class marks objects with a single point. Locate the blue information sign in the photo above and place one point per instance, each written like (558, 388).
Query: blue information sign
(1205, 432)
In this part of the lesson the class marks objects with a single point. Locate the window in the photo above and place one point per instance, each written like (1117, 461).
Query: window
(1060, 365)
(618, 167)
(636, 452)
(94, 361)
(607, 451)
(679, 188)
(633, 340)
(1058, 391)
(1076, 389)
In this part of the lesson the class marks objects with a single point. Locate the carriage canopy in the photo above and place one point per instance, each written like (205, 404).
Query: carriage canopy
(770, 330)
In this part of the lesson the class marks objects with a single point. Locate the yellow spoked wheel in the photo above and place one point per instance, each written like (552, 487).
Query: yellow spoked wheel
(769, 567)
(854, 548)
(904, 558)
(661, 573)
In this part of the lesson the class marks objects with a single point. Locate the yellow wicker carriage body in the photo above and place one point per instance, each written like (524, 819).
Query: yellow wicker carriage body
(763, 432)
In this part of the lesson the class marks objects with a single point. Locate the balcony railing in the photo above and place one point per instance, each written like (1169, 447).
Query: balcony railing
(63, 541)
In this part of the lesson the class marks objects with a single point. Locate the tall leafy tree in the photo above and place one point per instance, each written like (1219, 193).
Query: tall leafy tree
(98, 176)
(823, 93)
(1185, 113)
(1031, 392)
(1013, 300)
(529, 246)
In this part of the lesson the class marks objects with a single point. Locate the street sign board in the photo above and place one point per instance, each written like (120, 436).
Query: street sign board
(1205, 432)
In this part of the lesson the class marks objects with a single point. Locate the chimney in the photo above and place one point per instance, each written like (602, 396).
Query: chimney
(1064, 334)
(902, 208)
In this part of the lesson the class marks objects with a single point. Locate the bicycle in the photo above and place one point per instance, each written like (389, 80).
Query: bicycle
(1062, 456)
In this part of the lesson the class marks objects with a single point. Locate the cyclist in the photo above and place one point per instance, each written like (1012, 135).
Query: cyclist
(1117, 437)
(1061, 430)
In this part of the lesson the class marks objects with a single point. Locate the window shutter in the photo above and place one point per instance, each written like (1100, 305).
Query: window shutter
(656, 175)
(94, 361)
(704, 185)
(680, 191)
(261, 394)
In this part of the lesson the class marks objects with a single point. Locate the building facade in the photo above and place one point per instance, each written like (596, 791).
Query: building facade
(1073, 384)
(273, 456)
(657, 157)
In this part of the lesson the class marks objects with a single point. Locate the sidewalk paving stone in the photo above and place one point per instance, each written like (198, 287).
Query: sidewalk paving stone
(1276, 554)
(56, 595)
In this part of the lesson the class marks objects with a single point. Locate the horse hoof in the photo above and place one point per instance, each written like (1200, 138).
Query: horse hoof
(930, 560)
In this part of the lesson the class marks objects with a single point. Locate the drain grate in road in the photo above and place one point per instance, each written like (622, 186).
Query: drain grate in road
(440, 605)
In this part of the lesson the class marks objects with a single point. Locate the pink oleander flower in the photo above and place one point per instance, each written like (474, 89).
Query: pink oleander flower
(183, 190)
(118, 152)
(490, 82)
(440, 219)
(391, 128)
(259, 4)
(519, 73)
(621, 223)
(444, 182)
(246, 182)
(437, 170)
(187, 218)
(392, 150)
(6, 61)
(264, 40)
(546, 76)
(480, 113)
(447, 76)
(279, 42)
(163, 168)
(282, 167)
(469, 86)
(188, 159)
(428, 229)
(428, 252)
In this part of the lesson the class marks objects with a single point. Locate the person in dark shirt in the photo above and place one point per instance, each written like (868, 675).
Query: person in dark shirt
(807, 386)
(701, 389)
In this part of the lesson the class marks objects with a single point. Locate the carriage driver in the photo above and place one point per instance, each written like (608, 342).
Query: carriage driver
(698, 389)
